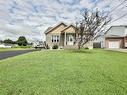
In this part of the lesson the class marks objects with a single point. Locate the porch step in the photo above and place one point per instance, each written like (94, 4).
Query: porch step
(71, 47)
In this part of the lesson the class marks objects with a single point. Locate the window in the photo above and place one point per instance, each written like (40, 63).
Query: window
(55, 38)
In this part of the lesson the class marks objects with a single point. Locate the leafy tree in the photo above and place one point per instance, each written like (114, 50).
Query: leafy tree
(22, 41)
(8, 41)
(1, 41)
(91, 26)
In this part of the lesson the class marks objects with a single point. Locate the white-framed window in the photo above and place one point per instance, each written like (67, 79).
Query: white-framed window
(55, 38)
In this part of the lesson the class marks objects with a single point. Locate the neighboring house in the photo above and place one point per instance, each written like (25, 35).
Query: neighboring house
(5, 46)
(116, 37)
(62, 35)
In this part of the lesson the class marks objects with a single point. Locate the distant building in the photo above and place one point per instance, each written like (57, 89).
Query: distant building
(5, 46)
(116, 37)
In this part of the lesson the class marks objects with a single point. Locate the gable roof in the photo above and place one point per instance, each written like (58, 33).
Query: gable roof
(116, 31)
(68, 27)
(115, 26)
(48, 29)
(52, 28)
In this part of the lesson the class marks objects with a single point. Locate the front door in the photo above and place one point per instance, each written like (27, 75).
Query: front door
(70, 40)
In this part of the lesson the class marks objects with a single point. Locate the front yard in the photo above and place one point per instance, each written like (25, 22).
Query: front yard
(84, 72)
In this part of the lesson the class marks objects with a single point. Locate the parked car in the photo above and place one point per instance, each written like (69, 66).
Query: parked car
(39, 45)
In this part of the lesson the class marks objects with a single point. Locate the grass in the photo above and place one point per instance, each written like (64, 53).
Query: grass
(84, 72)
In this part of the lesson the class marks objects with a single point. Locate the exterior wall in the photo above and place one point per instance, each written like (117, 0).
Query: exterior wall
(121, 41)
(58, 29)
(62, 40)
(70, 30)
(49, 40)
(55, 31)
(125, 41)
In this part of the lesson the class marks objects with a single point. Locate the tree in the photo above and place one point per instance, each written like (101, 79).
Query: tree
(1, 41)
(22, 41)
(91, 26)
(8, 41)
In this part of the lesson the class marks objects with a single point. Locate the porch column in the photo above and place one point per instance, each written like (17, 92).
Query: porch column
(59, 39)
(65, 39)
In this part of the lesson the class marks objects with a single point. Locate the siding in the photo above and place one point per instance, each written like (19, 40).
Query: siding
(58, 29)
(55, 31)
(70, 30)
(49, 40)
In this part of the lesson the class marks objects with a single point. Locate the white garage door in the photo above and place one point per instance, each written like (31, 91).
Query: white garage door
(114, 44)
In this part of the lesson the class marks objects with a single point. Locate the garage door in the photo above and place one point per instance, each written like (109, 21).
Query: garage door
(114, 44)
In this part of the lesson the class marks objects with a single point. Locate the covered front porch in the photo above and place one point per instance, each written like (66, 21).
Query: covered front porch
(69, 39)
(69, 36)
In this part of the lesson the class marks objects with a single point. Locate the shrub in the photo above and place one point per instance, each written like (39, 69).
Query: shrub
(55, 47)
(86, 48)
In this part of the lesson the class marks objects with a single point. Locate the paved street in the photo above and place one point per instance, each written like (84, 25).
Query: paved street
(7, 54)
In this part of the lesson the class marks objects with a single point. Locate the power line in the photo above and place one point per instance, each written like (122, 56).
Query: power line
(115, 9)
(117, 6)
(119, 18)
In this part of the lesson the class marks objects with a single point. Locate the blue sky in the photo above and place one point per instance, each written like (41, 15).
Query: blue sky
(31, 17)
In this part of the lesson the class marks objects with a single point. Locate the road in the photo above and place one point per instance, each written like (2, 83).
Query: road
(7, 54)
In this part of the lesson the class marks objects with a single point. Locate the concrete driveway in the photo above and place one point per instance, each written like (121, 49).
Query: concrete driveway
(120, 50)
(7, 54)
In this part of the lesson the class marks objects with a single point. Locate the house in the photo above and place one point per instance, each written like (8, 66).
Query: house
(62, 35)
(116, 37)
(5, 46)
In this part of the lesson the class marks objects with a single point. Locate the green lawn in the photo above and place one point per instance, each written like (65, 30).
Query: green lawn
(95, 72)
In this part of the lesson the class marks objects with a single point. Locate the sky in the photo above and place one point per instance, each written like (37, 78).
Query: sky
(30, 18)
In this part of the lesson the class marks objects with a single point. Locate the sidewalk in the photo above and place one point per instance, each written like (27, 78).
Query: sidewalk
(120, 50)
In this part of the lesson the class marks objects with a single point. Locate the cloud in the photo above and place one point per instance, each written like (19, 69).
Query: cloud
(31, 17)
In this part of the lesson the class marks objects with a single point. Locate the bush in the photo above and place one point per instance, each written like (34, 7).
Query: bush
(86, 48)
(55, 47)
